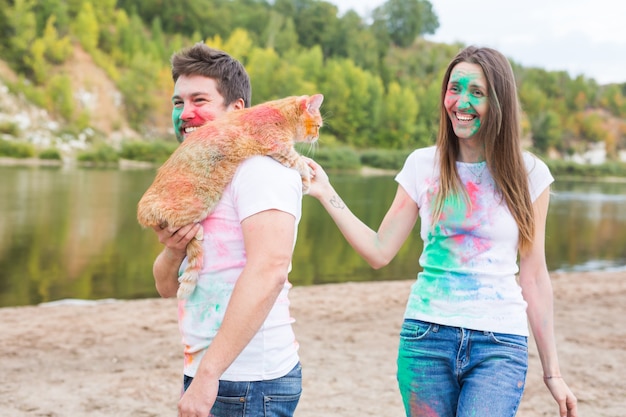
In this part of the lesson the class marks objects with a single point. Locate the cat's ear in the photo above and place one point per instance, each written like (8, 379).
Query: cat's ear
(314, 102)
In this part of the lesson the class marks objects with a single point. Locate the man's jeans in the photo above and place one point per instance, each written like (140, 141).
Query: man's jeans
(454, 372)
(272, 398)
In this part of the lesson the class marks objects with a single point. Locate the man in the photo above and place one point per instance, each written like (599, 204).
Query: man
(240, 351)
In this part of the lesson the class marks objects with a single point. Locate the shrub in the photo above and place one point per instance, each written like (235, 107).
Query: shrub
(100, 154)
(9, 128)
(157, 151)
(16, 149)
(384, 158)
(337, 158)
(51, 154)
(561, 168)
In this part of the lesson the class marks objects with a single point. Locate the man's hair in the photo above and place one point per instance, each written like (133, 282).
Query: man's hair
(229, 74)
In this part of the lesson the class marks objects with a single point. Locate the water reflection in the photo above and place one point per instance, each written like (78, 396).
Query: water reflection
(72, 233)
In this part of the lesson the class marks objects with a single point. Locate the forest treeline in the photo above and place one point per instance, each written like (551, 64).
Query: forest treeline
(381, 79)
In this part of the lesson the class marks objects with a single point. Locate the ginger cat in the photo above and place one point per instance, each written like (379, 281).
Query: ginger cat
(190, 183)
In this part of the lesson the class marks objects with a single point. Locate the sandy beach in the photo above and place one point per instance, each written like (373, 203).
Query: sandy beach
(124, 358)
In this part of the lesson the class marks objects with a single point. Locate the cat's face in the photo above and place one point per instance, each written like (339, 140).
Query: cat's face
(310, 118)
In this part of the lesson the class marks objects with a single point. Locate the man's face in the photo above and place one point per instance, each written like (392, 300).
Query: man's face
(196, 102)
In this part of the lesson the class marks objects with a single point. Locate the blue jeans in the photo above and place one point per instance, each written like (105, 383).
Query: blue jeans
(272, 398)
(454, 372)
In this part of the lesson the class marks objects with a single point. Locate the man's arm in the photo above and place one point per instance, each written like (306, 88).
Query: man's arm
(166, 265)
(268, 240)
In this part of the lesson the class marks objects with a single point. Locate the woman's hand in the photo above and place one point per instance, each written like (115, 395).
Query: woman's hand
(563, 396)
(319, 179)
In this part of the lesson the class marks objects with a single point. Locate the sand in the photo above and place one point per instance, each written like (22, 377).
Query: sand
(124, 358)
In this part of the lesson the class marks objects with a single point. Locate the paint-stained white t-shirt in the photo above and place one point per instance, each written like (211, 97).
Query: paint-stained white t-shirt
(469, 259)
(259, 184)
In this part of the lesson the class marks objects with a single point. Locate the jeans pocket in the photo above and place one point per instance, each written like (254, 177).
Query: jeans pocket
(281, 405)
(510, 340)
(414, 329)
(229, 406)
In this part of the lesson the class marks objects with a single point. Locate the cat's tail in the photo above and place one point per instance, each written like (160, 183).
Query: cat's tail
(188, 280)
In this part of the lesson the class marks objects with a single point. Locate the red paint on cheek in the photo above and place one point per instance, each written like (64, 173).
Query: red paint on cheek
(209, 117)
(448, 101)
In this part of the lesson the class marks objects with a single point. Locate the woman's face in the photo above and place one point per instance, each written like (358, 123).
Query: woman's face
(466, 100)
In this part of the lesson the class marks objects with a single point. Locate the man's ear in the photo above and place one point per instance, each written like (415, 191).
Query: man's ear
(237, 104)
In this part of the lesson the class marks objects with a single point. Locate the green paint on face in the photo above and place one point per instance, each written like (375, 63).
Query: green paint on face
(466, 92)
(177, 122)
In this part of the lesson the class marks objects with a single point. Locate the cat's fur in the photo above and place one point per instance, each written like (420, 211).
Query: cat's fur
(190, 183)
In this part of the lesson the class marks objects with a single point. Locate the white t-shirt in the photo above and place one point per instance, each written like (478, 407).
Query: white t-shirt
(259, 184)
(469, 258)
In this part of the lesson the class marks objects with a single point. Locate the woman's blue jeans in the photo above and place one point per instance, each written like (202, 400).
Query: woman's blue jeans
(271, 398)
(454, 372)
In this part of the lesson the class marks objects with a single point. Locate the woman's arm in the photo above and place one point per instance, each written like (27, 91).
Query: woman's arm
(377, 248)
(537, 291)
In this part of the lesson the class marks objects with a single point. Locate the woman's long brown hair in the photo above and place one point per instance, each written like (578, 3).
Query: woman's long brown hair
(501, 132)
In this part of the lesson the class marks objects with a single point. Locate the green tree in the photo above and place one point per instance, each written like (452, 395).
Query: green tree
(117, 37)
(104, 11)
(311, 61)
(353, 102)
(593, 128)
(315, 21)
(400, 110)
(21, 32)
(546, 131)
(57, 50)
(280, 33)
(36, 61)
(239, 44)
(262, 66)
(86, 27)
(614, 100)
(405, 20)
(532, 98)
(358, 42)
(132, 40)
(57, 9)
(61, 98)
(158, 43)
(139, 85)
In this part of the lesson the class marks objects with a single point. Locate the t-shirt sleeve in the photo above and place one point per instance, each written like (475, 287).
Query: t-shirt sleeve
(261, 183)
(407, 177)
(539, 175)
(418, 173)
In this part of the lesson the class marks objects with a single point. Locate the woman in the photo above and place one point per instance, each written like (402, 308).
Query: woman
(482, 201)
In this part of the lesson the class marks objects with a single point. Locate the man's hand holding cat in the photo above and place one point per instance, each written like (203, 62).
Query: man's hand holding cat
(176, 240)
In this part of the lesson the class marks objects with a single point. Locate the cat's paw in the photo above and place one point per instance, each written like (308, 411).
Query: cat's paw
(186, 284)
(185, 290)
(306, 185)
(200, 234)
(306, 172)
